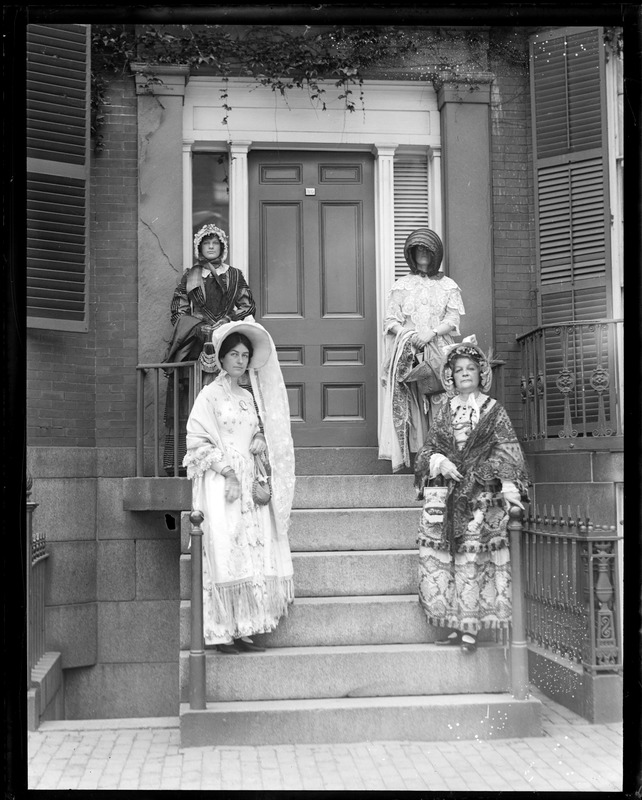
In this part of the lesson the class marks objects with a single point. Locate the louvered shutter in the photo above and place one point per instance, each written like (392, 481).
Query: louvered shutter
(571, 187)
(58, 106)
(411, 202)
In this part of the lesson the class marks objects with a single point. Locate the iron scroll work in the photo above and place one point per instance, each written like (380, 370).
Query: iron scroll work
(572, 589)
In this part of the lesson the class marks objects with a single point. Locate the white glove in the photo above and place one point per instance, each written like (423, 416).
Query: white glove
(512, 498)
(449, 470)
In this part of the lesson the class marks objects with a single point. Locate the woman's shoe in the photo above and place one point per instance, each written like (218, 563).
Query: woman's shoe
(227, 649)
(452, 639)
(249, 647)
(468, 643)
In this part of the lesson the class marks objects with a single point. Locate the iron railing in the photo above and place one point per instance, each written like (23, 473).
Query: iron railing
(572, 589)
(159, 424)
(570, 379)
(35, 578)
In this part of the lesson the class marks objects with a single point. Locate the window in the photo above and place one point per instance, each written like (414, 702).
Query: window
(572, 208)
(210, 190)
(411, 202)
(57, 176)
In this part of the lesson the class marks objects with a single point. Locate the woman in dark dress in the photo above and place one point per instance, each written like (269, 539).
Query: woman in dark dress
(209, 293)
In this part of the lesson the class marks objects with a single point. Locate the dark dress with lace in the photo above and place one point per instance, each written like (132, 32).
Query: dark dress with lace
(465, 577)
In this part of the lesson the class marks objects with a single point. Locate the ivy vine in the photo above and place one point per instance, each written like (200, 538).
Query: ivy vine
(285, 58)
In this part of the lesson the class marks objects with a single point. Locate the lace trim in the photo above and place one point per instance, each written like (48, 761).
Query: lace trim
(234, 610)
(201, 459)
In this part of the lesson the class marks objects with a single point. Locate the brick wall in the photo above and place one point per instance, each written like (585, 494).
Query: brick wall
(115, 269)
(81, 386)
(513, 212)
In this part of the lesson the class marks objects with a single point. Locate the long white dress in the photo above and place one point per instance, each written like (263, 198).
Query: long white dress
(419, 304)
(247, 565)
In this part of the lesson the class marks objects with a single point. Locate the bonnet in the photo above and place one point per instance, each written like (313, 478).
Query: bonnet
(210, 230)
(473, 351)
(261, 344)
(429, 239)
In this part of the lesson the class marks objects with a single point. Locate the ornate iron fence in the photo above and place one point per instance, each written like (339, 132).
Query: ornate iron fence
(570, 378)
(572, 589)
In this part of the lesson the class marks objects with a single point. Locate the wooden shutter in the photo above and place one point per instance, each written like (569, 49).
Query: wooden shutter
(58, 106)
(572, 211)
(411, 202)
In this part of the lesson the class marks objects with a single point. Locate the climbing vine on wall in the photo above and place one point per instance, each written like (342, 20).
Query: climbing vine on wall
(319, 59)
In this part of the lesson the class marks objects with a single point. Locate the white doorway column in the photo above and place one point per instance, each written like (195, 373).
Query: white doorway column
(385, 242)
(188, 239)
(434, 191)
(239, 206)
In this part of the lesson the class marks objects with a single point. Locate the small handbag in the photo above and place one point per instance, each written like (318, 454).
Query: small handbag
(426, 373)
(261, 489)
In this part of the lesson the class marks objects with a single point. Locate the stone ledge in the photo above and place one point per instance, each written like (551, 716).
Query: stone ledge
(47, 682)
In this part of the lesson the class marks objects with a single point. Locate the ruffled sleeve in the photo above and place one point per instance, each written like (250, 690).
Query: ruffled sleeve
(204, 446)
(454, 308)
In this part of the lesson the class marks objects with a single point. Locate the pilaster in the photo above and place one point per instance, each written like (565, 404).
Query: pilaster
(161, 217)
(239, 206)
(464, 102)
(385, 245)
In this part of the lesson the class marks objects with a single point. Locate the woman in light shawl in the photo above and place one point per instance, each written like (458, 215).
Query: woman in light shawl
(465, 577)
(423, 312)
(247, 565)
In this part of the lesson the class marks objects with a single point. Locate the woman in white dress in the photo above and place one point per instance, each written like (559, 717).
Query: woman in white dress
(247, 565)
(423, 312)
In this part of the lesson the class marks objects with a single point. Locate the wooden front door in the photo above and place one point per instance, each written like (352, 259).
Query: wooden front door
(312, 273)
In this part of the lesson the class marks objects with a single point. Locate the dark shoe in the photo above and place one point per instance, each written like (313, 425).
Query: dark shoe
(453, 640)
(468, 643)
(227, 649)
(249, 647)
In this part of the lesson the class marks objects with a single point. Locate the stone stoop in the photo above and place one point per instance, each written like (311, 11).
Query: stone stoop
(354, 659)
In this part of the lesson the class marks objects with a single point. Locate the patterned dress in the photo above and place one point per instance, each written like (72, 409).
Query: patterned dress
(464, 558)
(247, 565)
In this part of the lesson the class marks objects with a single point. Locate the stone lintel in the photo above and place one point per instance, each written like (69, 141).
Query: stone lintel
(160, 79)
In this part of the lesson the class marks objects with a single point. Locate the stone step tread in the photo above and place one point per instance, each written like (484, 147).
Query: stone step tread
(331, 573)
(482, 699)
(479, 716)
(368, 670)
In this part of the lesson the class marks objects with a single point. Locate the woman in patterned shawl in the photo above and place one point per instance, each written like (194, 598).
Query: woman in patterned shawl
(247, 565)
(465, 578)
(423, 312)
(209, 293)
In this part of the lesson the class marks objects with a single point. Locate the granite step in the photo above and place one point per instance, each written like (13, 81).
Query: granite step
(341, 573)
(291, 673)
(360, 719)
(316, 530)
(341, 461)
(328, 621)
(355, 491)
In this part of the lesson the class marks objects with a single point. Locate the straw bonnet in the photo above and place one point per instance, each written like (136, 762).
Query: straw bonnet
(261, 342)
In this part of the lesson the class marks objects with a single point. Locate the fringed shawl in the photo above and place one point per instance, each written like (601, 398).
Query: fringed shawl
(492, 454)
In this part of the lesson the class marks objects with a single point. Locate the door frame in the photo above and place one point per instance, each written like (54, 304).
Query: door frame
(266, 127)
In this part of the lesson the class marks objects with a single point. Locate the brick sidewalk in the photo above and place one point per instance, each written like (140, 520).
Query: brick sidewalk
(145, 754)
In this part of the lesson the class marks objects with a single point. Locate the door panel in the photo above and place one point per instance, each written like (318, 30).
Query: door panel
(312, 273)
